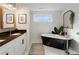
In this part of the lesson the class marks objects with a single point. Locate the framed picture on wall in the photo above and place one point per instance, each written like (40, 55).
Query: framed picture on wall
(22, 18)
(9, 19)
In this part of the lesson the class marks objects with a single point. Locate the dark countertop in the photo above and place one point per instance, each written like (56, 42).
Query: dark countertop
(7, 38)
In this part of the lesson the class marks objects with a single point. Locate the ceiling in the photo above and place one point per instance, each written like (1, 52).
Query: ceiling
(46, 6)
(50, 6)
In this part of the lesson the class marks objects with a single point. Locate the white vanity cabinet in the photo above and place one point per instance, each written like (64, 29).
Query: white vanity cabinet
(14, 47)
(20, 45)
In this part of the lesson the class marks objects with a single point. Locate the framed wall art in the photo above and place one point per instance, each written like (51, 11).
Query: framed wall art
(9, 19)
(22, 18)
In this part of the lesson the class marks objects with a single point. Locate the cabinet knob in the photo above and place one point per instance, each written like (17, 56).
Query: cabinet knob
(6, 54)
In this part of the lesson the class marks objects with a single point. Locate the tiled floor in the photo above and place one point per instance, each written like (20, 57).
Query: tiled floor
(39, 49)
(55, 51)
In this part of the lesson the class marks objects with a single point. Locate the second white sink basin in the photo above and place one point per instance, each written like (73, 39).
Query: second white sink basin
(16, 34)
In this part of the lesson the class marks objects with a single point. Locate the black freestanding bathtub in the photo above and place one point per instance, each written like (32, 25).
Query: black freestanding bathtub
(56, 41)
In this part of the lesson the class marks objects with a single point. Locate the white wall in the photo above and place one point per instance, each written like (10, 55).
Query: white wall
(38, 27)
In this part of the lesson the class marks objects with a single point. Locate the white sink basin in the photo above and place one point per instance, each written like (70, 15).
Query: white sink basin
(16, 34)
(1, 40)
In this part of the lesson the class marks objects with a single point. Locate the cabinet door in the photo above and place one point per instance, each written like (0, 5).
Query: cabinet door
(19, 47)
(9, 51)
(23, 43)
(6, 52)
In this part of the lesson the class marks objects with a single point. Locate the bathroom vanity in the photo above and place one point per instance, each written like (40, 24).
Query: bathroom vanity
(14, 44)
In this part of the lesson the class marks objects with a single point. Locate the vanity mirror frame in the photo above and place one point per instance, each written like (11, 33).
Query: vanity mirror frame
(68, 19)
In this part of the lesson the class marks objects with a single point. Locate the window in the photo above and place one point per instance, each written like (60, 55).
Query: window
(42, 18)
